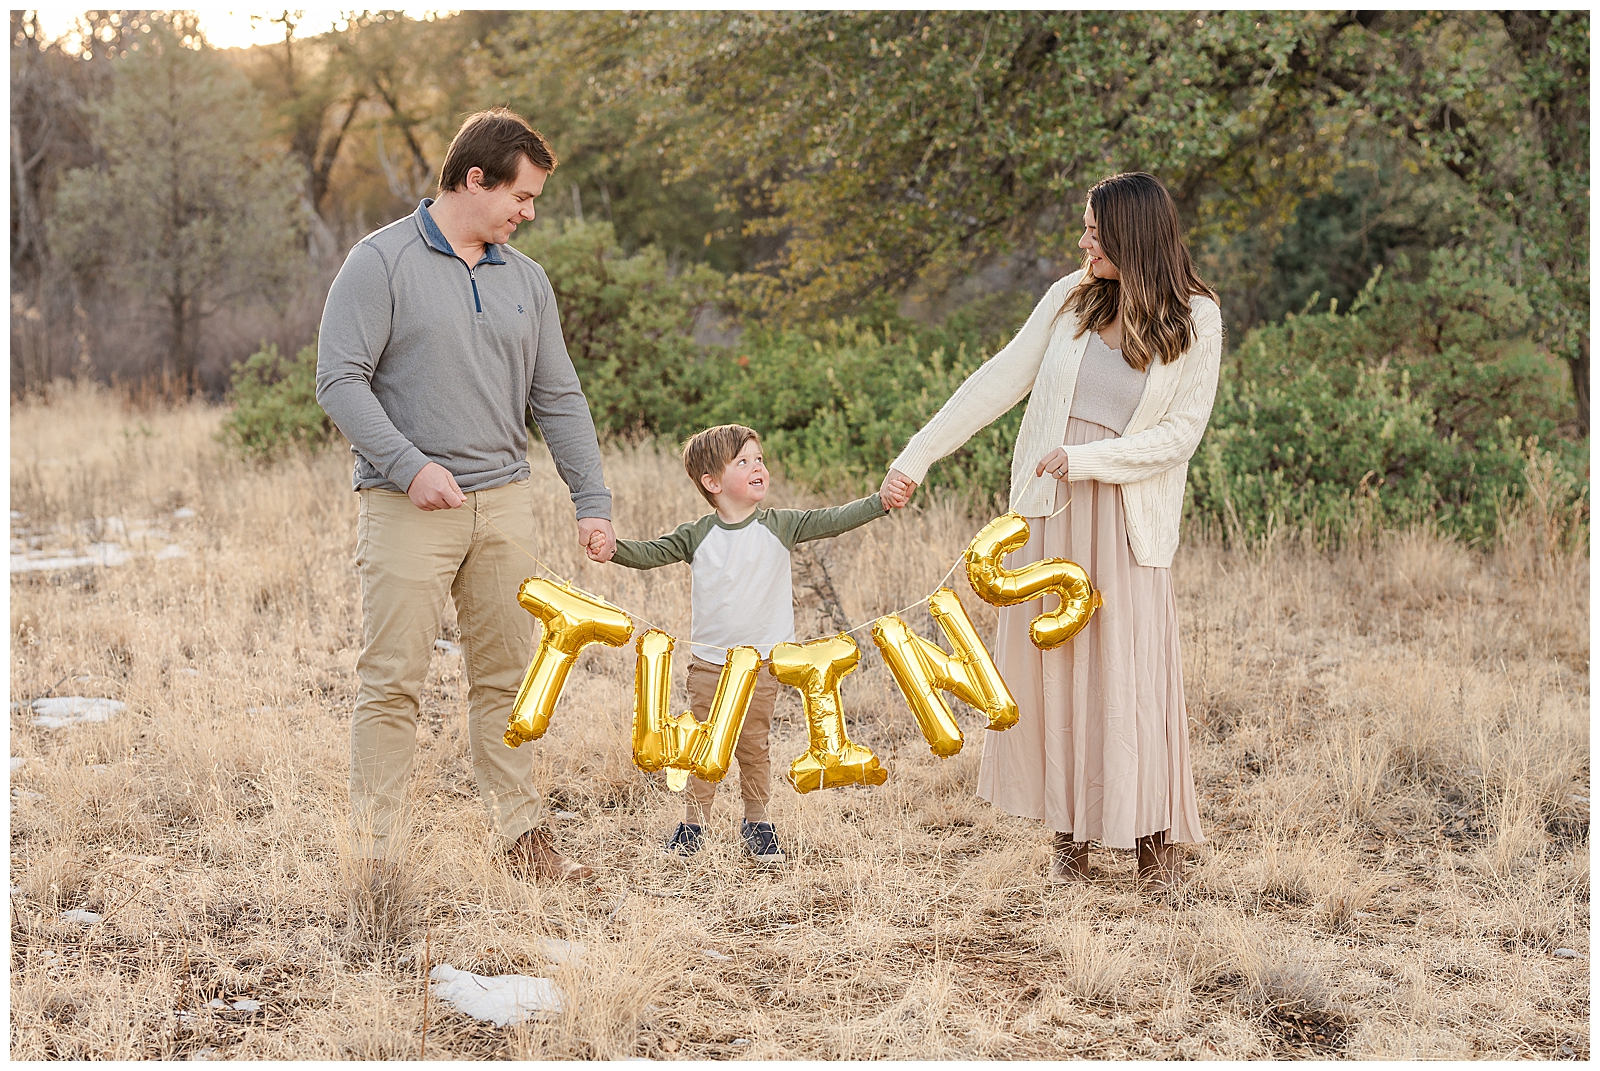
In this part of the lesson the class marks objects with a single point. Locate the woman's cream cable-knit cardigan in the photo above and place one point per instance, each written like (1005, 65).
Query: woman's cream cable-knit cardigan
(1151, 458)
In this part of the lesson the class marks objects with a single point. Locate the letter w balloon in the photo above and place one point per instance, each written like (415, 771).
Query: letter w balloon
(999, 586)
(923, 670)
(572, 620)
(661, 741)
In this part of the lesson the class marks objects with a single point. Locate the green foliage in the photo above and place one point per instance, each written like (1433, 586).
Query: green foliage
(629, 324)
(837, 402)
(834, 401)
(275, 405)
(874, 150)
(190, 210)
(1421, 402)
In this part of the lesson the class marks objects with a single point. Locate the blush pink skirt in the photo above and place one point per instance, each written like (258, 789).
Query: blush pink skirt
(1101, 749)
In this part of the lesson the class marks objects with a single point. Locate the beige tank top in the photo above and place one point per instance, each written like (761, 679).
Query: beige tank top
(1108, 389)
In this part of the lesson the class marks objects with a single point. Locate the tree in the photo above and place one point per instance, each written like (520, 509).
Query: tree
(188, 211)
(1501, 101)
(880, 149)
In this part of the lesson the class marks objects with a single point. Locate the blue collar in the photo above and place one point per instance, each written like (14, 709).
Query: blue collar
(436, 238)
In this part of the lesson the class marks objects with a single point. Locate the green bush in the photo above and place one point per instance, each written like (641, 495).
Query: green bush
(1425, 401)
(837, 402)
(629, 324)
(834, 401)
(1420, 402)
(275, 405)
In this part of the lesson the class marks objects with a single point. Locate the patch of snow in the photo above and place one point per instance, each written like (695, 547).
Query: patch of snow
(247, 1005)
(101, 554)
(565, 814)
(709, 954)
(216, 1002)
(17, 515)
(503, 999)
(737, 1042)
(189, 671)
(171, 551)
(1567, 953)
(17, 762)
(448, 647)
(61, 711)
(78, 914)
(183, 513)
(26, 794)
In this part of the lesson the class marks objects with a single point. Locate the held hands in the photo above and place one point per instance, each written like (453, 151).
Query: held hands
(434, 488)
(1054, 463)
(896, 489)
(597, 538)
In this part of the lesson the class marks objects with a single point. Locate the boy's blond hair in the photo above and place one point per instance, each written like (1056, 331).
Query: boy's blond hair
(708, 453)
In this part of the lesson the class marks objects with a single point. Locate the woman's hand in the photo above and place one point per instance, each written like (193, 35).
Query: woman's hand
(896, 489)
(1054, 463)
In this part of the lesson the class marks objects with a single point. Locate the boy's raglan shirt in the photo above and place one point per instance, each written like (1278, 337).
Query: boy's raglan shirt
(742, 592)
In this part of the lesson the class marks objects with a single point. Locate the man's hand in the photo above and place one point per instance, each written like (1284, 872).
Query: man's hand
(1055, 463)
(597, 538)
(896, 489)
(434, 488)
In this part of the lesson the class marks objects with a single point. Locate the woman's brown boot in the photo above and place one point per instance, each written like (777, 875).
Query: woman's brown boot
(1160, 863)
(1069, 859)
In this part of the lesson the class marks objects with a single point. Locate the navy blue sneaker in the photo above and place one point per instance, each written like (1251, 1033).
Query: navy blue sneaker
(761, 843)
(686, 840)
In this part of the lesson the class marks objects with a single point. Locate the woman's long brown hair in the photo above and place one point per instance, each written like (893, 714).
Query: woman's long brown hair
(1138, 229)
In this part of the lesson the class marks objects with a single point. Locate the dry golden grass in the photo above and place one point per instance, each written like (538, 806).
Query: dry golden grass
(1391, 747)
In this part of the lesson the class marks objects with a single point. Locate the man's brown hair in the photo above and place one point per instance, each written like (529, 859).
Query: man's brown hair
(494, 140)
(707, 453)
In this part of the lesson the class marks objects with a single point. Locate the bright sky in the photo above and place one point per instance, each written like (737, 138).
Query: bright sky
(239, 28)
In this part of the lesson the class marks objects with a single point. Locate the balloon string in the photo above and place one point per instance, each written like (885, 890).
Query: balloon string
(1064, 505)
(711, 646)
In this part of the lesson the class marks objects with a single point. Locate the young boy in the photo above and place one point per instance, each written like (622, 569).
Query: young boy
(739, 558)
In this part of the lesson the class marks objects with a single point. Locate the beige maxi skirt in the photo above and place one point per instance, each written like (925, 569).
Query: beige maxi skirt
(1101, 749)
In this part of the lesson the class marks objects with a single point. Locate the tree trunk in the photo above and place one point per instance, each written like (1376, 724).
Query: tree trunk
(1580, 384)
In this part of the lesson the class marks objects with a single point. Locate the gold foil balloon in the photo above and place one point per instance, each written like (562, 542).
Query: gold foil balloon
(922, 671)
(682, 745)
(572, 620)
(711, 751)
(999, 586)
(832, 759)
(658, 737)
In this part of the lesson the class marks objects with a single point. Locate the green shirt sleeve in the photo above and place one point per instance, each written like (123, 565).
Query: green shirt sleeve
(677, 545)
(793, 526)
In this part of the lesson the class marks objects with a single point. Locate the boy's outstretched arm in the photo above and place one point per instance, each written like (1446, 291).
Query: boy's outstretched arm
(677, 545)
(802, 525)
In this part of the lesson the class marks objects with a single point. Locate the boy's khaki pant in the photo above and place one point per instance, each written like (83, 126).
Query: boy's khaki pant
(751, 750)
(408, 560)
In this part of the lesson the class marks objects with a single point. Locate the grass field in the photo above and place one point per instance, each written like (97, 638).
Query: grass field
(1390, 744)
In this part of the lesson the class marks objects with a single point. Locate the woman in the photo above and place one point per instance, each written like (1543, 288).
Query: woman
(1122, 361)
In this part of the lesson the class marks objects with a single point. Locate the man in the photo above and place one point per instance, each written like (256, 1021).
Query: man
(435, 339)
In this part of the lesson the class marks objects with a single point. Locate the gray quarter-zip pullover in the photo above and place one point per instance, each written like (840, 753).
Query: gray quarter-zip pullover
(422, 358)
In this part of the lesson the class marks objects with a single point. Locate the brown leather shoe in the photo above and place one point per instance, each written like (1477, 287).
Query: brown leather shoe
(535, 852)
(1069, 859)
(1160, 863)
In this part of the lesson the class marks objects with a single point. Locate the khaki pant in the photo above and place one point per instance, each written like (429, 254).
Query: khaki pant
(751, 750)
(408, 560)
